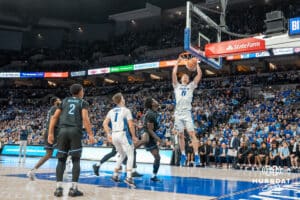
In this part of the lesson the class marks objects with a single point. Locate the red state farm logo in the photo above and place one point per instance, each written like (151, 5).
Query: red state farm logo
(234, 47)
(229, 48)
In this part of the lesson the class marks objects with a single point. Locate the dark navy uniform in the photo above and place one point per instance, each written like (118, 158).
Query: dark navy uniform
(151, 117)
(49, 115)
(23, 135)
(70, 127)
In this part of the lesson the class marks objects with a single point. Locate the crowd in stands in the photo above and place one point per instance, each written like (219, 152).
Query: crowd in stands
(223, 111)
(222, 106)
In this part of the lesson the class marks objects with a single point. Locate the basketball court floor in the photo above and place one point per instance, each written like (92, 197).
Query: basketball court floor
(176, 183)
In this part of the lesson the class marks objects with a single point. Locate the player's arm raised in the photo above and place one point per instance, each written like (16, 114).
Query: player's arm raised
(198, 76)
(87, 125)
(53, 122)
(174, 72)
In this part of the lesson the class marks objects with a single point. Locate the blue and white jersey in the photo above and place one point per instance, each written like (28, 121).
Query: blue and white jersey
(184, 96)
(118, 117)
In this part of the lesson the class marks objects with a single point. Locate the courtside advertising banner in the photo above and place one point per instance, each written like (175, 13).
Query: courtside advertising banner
(283, 51)
(170, 63)
(124, 68)
(13, 150)
(78, 73)
(98, 71)
(248, 56)
(152, 65)
(9, 74)
(56, 74)
(214, 50)
(90, 153)
(32, 75)
(294, 26)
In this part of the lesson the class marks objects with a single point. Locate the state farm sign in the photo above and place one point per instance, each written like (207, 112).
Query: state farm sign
(234, 47)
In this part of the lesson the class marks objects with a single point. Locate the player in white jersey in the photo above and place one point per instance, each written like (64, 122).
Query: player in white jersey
(183, 110)
(122, 133)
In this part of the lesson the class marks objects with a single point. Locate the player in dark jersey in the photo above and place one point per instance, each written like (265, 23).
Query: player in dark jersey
(71, 114)
(149, 137)
(54, 101)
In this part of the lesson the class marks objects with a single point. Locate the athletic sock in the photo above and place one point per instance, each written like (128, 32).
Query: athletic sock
(58, 184)
(183, 153)
(74, 185)
(115, 174)
(129, 174)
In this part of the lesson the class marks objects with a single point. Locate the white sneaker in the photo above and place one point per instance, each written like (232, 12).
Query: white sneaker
(31, 175)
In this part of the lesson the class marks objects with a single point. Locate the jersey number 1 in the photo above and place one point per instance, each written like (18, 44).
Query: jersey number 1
(116, 117)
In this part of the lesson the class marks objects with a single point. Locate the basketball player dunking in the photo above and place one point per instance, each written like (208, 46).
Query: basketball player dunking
(183, 110)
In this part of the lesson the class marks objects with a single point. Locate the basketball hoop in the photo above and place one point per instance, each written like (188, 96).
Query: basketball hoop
(186, 56)
(189, 60)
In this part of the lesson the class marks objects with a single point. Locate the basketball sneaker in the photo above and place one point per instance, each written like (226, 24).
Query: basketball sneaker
(129, 181)
(155, 179)
(58, 192)
(136, 174)
(197, 161)
(115, 179)
(96, 169)
(182, 160)
(31, 175)
(75, 192)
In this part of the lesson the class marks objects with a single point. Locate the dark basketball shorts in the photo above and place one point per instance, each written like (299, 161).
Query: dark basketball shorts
(46, 143)
(69, 142)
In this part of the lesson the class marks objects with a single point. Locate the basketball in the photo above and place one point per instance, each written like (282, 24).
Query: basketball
(191, 64)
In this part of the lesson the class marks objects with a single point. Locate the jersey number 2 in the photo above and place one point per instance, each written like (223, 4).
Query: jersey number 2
(72, 108)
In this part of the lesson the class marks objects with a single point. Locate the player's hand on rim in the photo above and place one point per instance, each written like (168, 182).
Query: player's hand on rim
(179, 59)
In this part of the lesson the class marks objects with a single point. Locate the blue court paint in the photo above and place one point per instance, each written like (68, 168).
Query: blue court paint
(217, 189)
(176, 184)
